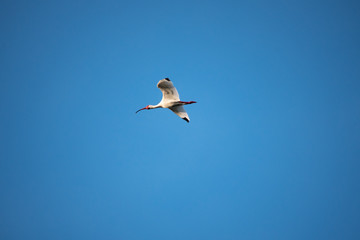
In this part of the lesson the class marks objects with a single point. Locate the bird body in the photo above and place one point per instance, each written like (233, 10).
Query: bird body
(170, 99)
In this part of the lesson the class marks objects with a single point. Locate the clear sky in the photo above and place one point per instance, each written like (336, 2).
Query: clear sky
(272, 149)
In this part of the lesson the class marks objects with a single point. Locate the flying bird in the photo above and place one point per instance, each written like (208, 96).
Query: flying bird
(170, 100)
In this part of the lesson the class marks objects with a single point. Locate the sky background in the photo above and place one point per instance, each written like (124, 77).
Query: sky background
(272, 149)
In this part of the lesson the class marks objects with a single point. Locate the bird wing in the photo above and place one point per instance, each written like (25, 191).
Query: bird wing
(180, 111)
(169, 91)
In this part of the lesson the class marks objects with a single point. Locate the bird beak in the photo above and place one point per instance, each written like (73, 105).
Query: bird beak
(141, 109)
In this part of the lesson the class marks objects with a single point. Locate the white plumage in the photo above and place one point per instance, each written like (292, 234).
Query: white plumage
(170, 99)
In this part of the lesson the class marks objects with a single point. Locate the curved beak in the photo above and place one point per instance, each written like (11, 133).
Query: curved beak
(140, 109)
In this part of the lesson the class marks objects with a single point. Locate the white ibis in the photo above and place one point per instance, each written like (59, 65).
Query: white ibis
(170, 100)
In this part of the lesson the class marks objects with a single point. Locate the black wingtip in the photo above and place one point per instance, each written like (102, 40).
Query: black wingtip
(167, 79)
(186, 119)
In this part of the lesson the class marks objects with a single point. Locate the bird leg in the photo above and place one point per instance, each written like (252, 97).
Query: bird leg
(182, 102)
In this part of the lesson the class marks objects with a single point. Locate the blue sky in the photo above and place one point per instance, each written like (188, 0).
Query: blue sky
(271, 152)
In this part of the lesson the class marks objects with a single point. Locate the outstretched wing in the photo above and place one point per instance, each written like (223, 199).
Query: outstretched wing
(169, 91)
(180, 111)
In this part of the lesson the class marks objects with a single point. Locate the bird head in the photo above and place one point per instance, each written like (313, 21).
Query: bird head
(145, 108)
